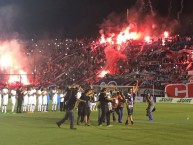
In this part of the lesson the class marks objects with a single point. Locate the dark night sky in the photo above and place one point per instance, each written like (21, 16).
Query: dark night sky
(72, 18)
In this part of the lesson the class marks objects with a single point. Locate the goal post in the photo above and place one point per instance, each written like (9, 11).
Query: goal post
(124, 89)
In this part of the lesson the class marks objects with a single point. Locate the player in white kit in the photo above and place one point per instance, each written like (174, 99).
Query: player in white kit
(54, 99)
(5, 93)
(39, 95)
(13, 98)
(34, 99)
(44, 99)
(25, 99)
(30, 99)
(93, 106)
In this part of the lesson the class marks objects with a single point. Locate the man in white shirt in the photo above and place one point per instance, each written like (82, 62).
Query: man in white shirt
(62, 96)
(45, 100)
(13, 99)
(25, 99)
(54, 99)
(30, 99)
(39, 95)
(34, 99)
(5, 93)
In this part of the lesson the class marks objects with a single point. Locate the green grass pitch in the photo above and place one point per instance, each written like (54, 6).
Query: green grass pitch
(172, 125)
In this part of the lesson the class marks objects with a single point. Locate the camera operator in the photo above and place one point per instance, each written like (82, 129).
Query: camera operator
(150, 106)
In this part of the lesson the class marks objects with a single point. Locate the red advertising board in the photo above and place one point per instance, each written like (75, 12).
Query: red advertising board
(179, 90)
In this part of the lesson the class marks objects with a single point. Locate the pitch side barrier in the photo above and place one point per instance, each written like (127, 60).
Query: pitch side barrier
(179, 90)
(174, 100)
(177, 93)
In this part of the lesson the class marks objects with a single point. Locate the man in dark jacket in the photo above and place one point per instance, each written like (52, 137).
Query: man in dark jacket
(70, 100)
(19, 99)
(104, 100)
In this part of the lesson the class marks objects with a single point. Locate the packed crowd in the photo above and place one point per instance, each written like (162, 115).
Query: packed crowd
(68, 61)
(65, 61)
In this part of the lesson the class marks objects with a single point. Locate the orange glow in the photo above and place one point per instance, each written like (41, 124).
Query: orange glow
(103, 73)
(110, 41)
(192, 54)
(20, 77)
(163, 42)
(12, 61)
(102, 40)
(126, 35)
(147, 39)
(5, 61)
(166, 34)
(106, 40)
(121, 37)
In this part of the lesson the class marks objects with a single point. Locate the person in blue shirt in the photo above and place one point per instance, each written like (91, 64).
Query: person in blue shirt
(58, 99)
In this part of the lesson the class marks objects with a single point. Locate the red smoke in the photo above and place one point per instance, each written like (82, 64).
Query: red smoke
(13, 62)
(112, 56)
(117, 31)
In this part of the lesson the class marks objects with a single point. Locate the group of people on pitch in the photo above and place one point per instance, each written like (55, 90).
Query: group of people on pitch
(110, 102)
